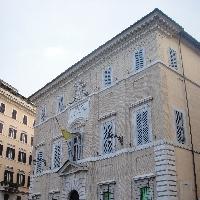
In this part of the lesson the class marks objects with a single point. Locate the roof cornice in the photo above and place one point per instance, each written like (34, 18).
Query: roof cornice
(156, 19)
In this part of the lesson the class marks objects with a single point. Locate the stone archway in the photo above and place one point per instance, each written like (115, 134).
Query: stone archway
(73, 195)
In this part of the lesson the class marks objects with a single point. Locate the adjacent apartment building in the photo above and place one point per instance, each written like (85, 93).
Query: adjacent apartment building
(134, 104)
(17, 116)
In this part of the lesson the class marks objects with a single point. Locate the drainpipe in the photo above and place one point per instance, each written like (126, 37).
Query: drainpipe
(189, 119)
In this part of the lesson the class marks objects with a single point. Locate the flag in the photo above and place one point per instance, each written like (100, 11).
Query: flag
(66, 134)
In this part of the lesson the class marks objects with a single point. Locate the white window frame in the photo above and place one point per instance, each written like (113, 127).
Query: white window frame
(60, 104)
(43, 113)
(112, 120)
(10, 154)
(55, 144)
(144, 61)
(39, 167)
(21, 178)
(135, 135)
(24, 137)
(184, 125)
(104, 80)
(12, 134)
(170, 57)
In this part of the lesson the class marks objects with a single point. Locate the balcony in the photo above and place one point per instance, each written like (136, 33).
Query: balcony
(8, 187)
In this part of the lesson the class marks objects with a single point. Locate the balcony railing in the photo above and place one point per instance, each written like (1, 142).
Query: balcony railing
(9, 187)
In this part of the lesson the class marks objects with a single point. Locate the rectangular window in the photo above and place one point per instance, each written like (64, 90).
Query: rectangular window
(75, 148)
(43, 114)
(2, 108)
(12, 133)
(28, 181)
(139, 59)
(30, 160)
(172, 58)
(39, 162)
(22, 157)
(21, 179)
(14, 114)
(107, 77)
(60, 104)
(23, 138)
(1, 149)
(56, 155)
(25, 120)
(108, 136)
(107, 192)
(180, 127)
(10, 153)
(31, 141)
(142, 125)
(1, 127)
(8, 176)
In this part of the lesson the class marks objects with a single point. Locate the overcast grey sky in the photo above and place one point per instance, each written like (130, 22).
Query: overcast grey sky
(39, 39)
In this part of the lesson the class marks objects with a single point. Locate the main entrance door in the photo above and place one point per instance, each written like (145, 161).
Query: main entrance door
(73, 195)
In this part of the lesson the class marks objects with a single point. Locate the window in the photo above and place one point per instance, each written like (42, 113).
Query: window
(25, 120)
(146, 193)
(180, 127)
(1, 149)
(31, 141)
(108, 139)
(10, 153)
(75, 148)
(142, 125)
(43, 114)
(12, 133)
(28, 181)
(30, 160)
(22, 157)
(23, 138)
(172, 58)
(56, 159)
(8, 176)
(39, 162)
(107, 77)
(19, 198)
(14, 114)
(20, 179)
(6, 196)
(107, 192)
(2, 108)
(1, 127)
(61, 103)
(139, 59)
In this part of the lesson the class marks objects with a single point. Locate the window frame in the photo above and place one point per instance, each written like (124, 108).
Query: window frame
(2, 108)
(56, 144)
(24, 138)
(14, 114)
(60, 104)
(1, 127)
(104, 81)
(43, 113)
(12, 133)
(170, 57)
(39, 167)
(25, 120)
(135, 62)
(111, 189)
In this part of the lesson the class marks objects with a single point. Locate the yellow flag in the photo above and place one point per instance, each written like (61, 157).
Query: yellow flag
(66, 134)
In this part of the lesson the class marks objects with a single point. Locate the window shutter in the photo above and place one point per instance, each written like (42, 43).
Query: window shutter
(18, 179)
(19, 156)
(7, 151)
(69, 145)
(10, 132)
(180, 130)
(25, 138)
(21, 136)
(139, 59)
(2, 108)
(173, 58)
(142, 126)
(28, 181)
(1, 149)
(1, 127)
(24, 158)
(15, 133)
(5, 175)
(11, 177)
(13, 154)
(23, 180)
(30, 159)
(107, 77)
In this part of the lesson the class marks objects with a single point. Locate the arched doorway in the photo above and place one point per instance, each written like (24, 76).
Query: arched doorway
(73, 195)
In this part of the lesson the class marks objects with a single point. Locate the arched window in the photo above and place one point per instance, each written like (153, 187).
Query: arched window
(73, 195)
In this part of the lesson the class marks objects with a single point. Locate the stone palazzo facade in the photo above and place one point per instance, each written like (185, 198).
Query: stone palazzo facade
(134, 106)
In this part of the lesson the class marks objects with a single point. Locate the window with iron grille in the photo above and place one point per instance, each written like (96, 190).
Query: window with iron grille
(108, 139)
(2, 108)
(56, 159)
(61, 106)
(142, 125)
(107, 191)
(43, 114)
(180, 127)
(14, 114)
(10, 153)
(1, 127)
(173, 58)
(8, 176)
(12, 133)
(22, 157)
(39, 162)
(1, 149)
(139, 59)
(25, 120)
(75, 148)
(21, 179)
(23, 138)
(107, 77)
